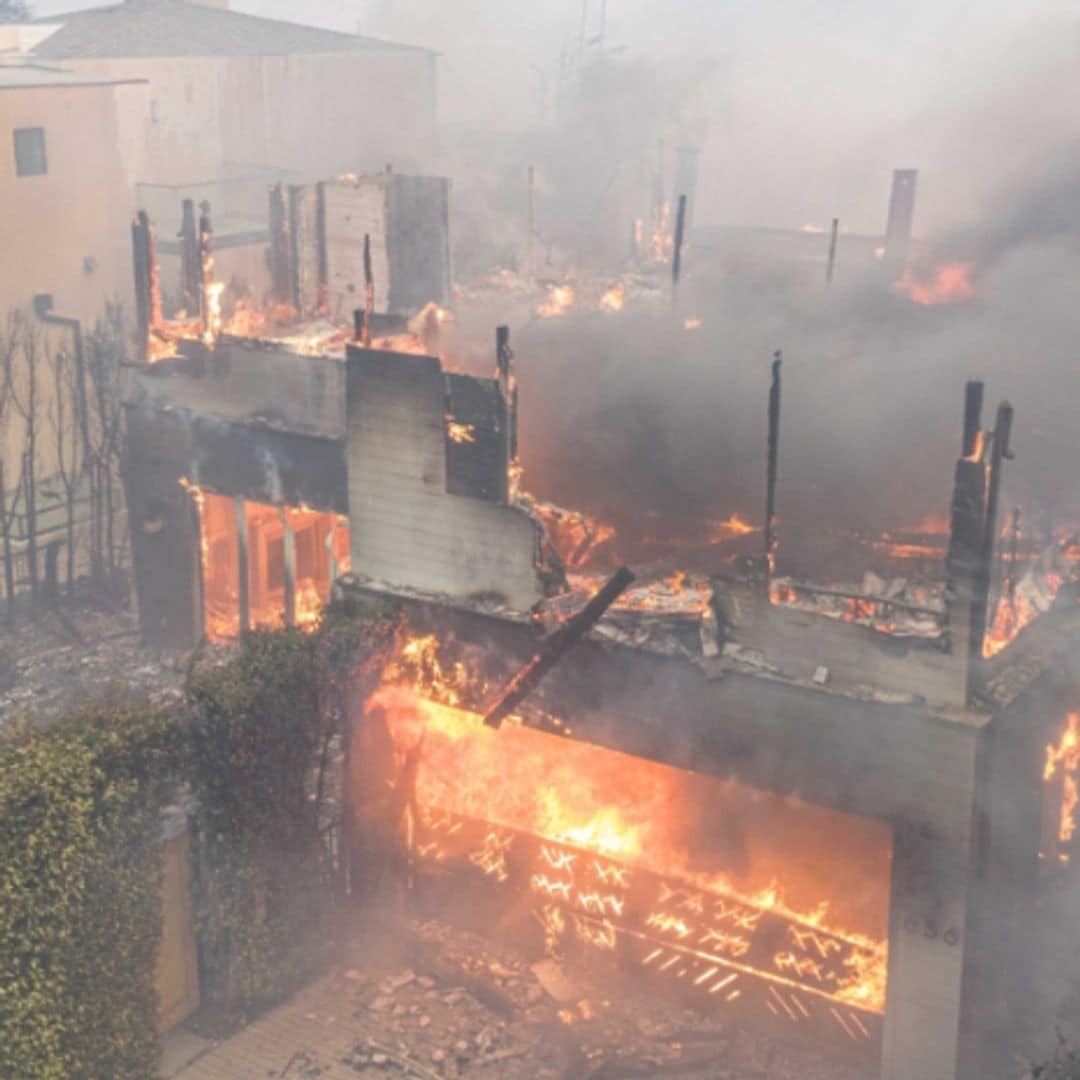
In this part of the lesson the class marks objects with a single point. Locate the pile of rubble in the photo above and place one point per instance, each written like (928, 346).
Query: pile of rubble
(467, 1007)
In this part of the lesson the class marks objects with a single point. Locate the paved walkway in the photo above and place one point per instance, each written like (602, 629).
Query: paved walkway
(314, 1029)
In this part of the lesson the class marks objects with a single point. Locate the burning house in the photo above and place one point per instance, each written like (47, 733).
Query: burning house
(820, 811)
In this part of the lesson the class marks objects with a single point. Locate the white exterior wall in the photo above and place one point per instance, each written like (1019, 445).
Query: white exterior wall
(406, 530)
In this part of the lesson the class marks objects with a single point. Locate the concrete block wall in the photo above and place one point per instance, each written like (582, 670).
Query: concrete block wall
(406, 530)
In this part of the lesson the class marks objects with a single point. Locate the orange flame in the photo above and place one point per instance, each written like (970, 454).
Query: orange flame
(949, 283)
(614, 298)
(625, 823)
(1064, 760)
(560, 299)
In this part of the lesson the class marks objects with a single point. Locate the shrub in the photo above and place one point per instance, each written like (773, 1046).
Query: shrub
(80, 892)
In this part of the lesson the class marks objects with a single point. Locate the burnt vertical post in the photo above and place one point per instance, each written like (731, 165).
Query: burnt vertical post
(369, 289)
(967, 513)
(144, 282)
(830, 266)
(208, 308)
(300, 291)
(686, 178)
(279, 245)
(189, 257)
(999, 453)
(772, 465)
(973, 401)
(360, 323)
(507, 407)
(676, 259)
(243, 582)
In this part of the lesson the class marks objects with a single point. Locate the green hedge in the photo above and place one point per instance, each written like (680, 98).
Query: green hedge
(80, 893)
(80, 850)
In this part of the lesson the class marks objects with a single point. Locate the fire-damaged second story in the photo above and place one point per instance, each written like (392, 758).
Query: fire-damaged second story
(258, 474)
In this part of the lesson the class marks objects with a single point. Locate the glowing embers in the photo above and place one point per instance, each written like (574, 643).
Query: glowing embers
(292, 555)
(1061, 795)
(726, 893)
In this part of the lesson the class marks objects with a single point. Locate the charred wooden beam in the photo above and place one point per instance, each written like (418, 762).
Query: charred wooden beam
(279, 245)
(973, 400)
(189, 257)
(554, 648)
(507, 406)
(771, 471)
(969, 497)
(686, 178)
(680, 226)
(967, 514)
(142, 261)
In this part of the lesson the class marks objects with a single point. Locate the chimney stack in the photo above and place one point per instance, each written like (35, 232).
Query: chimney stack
(901, 214)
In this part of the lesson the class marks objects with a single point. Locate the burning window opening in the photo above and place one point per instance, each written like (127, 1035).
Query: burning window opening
(709, 888)
(292, 555)
(1061, 792)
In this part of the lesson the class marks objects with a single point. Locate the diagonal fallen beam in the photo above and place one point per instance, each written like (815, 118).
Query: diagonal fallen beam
(555, 646)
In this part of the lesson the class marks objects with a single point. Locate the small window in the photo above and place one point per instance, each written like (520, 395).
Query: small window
(30, 151)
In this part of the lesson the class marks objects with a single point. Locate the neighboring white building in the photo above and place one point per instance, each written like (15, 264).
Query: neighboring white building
(233, 100)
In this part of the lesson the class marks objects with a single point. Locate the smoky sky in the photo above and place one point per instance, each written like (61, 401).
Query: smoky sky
(801, 111)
